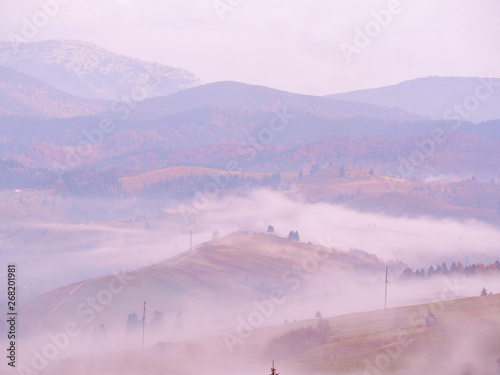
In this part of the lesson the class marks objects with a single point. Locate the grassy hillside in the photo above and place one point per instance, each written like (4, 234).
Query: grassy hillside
(363, 191)
(226, 273)
(463, 341)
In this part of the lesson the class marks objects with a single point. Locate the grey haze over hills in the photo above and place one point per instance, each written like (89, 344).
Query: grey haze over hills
(434, 97)
(22, 96)
(88, 71)
(237, 95)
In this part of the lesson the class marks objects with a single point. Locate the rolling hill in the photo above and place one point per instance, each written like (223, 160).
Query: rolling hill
(251, 97)
(363, 191)
(226, 273)
(435, 96)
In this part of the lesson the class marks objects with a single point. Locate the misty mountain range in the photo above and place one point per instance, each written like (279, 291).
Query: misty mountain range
(469, 98)
(110, 163)
(177, 121)
(86, 70)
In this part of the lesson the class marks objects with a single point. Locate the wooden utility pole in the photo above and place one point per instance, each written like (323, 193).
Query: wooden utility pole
(143, 323)
(386, 282)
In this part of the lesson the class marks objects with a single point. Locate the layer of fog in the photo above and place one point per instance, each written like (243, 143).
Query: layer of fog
(70, 253)
(327, 288)
(417, 241)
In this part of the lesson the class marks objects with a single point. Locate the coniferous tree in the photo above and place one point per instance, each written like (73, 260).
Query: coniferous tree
(324, 331)
(453, 268)
(132, 323)
(273, 370)
(444, 269)
(342, 171)
(157, 319)
(293, 236)
(407, 274)
(430, 271)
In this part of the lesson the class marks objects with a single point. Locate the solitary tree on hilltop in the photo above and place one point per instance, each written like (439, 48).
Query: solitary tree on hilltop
(270, 229)
(293, 236)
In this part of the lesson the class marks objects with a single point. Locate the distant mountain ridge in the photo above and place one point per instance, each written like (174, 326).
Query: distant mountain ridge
(230, 94)
(468, 98)
(86, 70)
(25, 96)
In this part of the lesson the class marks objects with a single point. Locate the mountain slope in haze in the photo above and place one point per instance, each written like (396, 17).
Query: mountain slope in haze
(24, 96)
(226, 112)
(86, 70)
(243, 96)
(434, 97)
(396, 340)
(463, 340)
(363, 191)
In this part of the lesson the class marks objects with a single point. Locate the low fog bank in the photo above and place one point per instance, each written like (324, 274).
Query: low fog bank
(57, 254)
(187, 328)
(416, 241)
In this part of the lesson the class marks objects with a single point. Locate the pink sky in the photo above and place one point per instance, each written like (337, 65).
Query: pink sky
(293, 45)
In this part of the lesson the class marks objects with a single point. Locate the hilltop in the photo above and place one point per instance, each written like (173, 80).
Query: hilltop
(89, 71)
(233, 270)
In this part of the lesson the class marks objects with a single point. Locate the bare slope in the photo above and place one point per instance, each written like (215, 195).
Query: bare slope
(86, 70)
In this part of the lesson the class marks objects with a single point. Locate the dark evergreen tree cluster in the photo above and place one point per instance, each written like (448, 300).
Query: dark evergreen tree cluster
(455, 268)
(92, 183)
(296, 341)
(293, 236)
(185, 187)
(314, 168)
(14, 175)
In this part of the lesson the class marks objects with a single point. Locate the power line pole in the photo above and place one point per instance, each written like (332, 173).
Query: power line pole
(386, 282)
(143, 323)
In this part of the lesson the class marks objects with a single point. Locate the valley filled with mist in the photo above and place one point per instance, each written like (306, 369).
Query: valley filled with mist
(153, 222)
